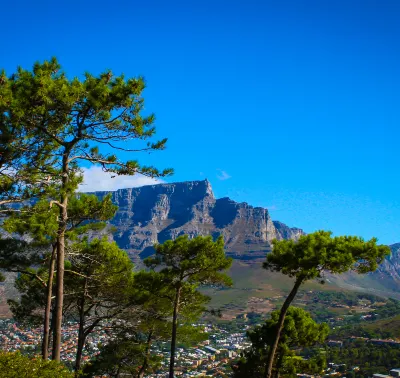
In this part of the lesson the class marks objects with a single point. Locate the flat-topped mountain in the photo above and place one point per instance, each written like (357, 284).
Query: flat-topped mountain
(155, 213)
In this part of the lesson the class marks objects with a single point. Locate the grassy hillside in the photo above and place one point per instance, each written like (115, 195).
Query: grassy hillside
(391, 324)
(260, 291)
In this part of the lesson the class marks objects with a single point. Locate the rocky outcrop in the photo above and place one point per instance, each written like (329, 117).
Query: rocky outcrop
(155, 213)
(388, 273)
(285, 232)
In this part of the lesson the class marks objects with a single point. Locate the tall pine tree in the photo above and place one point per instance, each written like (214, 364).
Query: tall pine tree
(77, 121)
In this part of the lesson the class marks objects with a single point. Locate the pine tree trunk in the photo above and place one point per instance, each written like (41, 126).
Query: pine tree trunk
(62, 226)
(47, 310)
(81, 333)
(51, 330)
(79, 351)
(141, 372)
(174, 329)
(279, 327)
(146, 356)
(278, 366)
(60, 285)
(81, 342)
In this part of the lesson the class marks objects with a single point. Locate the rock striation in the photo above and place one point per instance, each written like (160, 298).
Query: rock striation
(388, 273)
(155, 213)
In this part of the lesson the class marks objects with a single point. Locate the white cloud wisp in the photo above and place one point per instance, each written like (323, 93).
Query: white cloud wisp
(95, 179)
(223, 175)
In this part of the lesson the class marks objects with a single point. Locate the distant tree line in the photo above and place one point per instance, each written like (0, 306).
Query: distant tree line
(367, 358)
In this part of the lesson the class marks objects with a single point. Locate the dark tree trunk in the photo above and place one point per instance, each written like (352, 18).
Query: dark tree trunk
(47, 310)
(60, 285)
(146, 356)
(81, 332)
(174, 329)
(279, 327)
(79, 351)
(278, 366)
(62, 226)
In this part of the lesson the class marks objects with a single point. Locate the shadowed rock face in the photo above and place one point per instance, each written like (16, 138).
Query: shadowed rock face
(155, 213)
(388, 273)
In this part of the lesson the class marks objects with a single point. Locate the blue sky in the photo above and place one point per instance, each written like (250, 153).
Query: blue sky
(290, 105)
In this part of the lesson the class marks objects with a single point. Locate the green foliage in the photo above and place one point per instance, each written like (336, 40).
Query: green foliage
(20, 152)
(17, 255)
(69, 120)
(77, 117)
(32, 288)
(311, 256)
(65, 122)
(184, 264)
(195, 261)
(98, 286)
(328, 305)
(15, 365)
(369, 358)
(147, 321)
(300, 330)
(40, 224)
(122, 356)
(86, 212)
(319, 252)
(105, 268)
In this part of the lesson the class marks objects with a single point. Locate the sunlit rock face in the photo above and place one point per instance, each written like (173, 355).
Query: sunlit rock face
(155, 213)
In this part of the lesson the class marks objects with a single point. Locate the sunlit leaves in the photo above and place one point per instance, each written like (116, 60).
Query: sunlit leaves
(14, 364)
(299, 330)
(319, 252)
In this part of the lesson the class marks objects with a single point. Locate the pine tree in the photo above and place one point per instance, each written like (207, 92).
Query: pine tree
(185, 264)
(299, 330)
(78, 121)
(99, 278)
(39, 224)
(313, 255)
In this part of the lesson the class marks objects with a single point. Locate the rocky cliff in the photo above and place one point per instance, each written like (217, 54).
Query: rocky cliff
(155, 213)
(388, 273)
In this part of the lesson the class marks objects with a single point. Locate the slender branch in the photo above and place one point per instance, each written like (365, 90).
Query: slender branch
(104, 122)
(121, 148)
(76, 273)
(14, 200)
(53, 202)
(27, 272)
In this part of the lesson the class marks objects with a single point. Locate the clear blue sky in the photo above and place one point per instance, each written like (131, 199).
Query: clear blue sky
(297, 102)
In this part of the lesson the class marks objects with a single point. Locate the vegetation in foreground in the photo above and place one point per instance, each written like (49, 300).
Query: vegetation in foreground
(15, 365)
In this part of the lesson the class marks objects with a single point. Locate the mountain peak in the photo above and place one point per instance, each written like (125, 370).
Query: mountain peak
(152, 214)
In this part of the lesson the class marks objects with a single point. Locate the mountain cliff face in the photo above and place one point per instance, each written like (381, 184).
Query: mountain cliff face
(155, 213)
(388, 273)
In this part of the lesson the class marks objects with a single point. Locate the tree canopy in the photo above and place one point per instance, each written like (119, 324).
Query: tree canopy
(15, 365)
(299, 330)
(184, 264)
(66, 122)
(313, 255)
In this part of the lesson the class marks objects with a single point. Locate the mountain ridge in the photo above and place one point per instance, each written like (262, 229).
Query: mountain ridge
(155, 213)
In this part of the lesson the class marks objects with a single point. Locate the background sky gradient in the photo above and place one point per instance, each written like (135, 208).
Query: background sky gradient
(290, 105)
